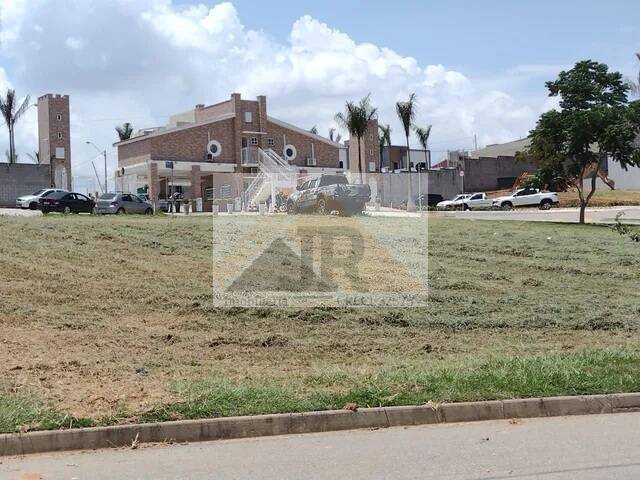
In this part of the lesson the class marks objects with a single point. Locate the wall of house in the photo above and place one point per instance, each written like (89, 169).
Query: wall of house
(19, 179)
(50, 128)
(327, 155)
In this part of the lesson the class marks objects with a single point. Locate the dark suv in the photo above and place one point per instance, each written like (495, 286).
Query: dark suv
(328, 193)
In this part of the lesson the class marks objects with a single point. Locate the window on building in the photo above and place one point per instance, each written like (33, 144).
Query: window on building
(59, 135)
(371, 137)
(254, 141)
(271, 142)
(248, 117)
(59, 117)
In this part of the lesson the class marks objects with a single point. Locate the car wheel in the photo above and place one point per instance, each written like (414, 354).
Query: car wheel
(466, 207)
(506, 206)
(67, 210)
(321, 206)
(545, 205)
(120, 211)
(148, 211)
(291, 208)
(33, 206)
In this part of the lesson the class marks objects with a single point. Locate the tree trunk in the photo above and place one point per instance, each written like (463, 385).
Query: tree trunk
(359, 160)
(12, 147)
(411, 205)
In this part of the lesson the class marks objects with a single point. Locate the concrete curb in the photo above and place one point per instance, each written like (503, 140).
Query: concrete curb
(292, 423)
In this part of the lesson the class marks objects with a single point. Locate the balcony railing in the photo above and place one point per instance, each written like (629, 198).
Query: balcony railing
(250, 156)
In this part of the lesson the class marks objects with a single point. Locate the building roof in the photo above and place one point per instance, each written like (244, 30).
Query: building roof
(508, 149)
(303, 131)
(163, 130)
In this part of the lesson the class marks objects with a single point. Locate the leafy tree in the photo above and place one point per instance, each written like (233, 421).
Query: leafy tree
(385, 138)
(11, 113)
(355, 119)
(596, 121)
(423, 135)
(314, 130)
(124, 131)
(406, 113)
(333, 136)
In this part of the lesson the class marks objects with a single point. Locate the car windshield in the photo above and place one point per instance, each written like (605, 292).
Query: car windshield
(35, 194)
(108, 196)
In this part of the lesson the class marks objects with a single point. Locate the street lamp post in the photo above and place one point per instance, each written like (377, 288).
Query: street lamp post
(104, 153)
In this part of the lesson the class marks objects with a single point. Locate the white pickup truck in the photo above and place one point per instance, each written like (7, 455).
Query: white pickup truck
(527, 197)
(477, 201)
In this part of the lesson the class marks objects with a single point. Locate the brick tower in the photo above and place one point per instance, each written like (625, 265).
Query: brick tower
(54, 137)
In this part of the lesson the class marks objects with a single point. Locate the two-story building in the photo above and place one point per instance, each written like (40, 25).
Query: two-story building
(210, 147)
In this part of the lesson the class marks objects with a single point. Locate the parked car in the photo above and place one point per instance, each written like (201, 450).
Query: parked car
(328, 193)
(477, 201)
(120, 203)
(453, 204)
(163, 204)
(66, 202)
(527, 197)
(31, 201)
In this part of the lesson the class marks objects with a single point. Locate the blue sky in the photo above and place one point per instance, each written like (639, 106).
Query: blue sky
(476, 37)
(478, 68)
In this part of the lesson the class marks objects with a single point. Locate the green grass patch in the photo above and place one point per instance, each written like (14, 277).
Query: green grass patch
(584, 373)
(22, 414)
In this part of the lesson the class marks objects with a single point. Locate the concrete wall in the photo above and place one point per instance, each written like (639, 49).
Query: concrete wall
(21, 179)
(393, 187)
(486, 173)
(625, 179)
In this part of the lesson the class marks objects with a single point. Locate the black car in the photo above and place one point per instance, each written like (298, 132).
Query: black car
(430, 200)
(66, 202)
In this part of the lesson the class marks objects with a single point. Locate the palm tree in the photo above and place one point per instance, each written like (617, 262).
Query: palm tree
(10, 115)
(406, 113)
(314, 130)
(385, 138)
(333, 136)
(124, 131)
(35, 156)
(423, 138)
(355, 119)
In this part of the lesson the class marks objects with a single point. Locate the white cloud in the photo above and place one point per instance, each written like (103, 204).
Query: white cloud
(142, 61)
(75, 43)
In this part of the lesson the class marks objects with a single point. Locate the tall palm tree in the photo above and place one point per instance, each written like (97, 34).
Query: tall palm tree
(385, 138)
(406, 113)
(35, 156)
(355, 120)
(124, 131)
(11, 113)
(423, 137)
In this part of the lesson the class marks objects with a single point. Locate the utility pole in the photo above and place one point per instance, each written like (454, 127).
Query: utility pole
(475, 141)
(104, 154)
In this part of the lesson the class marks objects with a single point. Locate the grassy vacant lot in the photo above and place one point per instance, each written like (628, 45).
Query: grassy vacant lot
(515, 310)
(603, 198)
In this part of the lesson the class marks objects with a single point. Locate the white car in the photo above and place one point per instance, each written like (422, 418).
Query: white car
(453, 204)
(527, 197)
(31, 201)
(477, 201)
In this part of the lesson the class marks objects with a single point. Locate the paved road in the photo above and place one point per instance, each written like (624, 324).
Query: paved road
(586, 447)
(568, 215)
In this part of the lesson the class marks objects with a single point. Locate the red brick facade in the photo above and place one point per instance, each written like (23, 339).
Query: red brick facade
(54, 131)
(228, 123)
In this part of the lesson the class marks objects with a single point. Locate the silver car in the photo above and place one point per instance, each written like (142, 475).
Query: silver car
(31, 201)
(120, 203)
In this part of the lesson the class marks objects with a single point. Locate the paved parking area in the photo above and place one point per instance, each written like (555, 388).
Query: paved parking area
(18, 212)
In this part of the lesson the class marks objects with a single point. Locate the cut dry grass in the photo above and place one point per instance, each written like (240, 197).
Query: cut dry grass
(87, 302)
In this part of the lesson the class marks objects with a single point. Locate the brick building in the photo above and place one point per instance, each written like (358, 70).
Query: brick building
(54, 137)
(209, 147)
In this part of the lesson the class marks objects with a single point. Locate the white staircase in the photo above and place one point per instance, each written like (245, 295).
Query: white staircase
(275, 175)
